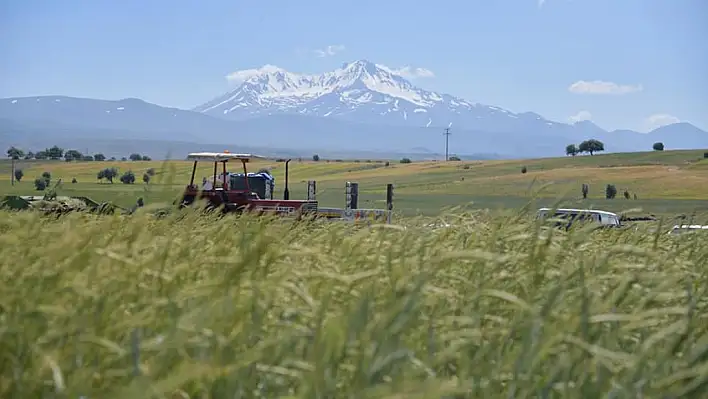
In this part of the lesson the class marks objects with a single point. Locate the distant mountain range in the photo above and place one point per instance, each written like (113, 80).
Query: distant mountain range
(361, 107)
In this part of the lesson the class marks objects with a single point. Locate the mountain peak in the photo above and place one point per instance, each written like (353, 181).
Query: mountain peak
(359, 64)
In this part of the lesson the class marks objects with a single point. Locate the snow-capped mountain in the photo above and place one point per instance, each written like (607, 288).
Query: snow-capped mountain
(361, 106)
(362, 91)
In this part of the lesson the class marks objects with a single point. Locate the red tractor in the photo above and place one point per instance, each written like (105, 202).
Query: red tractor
(232, 192)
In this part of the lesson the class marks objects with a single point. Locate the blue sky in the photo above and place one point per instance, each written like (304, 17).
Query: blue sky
(630, 63)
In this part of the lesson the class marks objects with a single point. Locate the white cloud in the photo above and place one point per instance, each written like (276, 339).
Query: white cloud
(409, 72)
(659, 120)
(581, 116)
(242, 76)
(329, 50)
(601, 87)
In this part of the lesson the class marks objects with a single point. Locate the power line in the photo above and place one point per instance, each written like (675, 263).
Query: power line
(447, 142)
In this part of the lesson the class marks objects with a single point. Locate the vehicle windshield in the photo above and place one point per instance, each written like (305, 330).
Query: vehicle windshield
(611, 220)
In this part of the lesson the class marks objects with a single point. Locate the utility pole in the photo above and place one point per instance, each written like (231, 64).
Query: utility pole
(447, 140)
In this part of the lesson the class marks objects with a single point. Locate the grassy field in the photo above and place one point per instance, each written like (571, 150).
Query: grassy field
(182, 307)
(665, 183)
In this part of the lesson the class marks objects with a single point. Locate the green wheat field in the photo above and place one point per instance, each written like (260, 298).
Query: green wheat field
(191, 306)
(496, 305)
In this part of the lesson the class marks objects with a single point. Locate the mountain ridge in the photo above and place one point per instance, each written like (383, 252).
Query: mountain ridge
(361, 106)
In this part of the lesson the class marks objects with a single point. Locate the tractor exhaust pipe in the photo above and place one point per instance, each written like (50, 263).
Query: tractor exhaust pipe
(286, 191)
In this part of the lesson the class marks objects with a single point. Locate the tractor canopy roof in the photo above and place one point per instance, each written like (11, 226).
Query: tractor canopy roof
(221, 157)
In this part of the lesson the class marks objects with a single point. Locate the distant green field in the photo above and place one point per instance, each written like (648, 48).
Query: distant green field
(667, 183)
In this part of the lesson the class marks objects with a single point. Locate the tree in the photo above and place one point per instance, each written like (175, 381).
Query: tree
(19, 174)
(111, 174)
(135, 157)
(316, 158)
(99, 157)
(55, 153)
(405, 160)
(591, 146)
(40, 184)
(47, 177)
(571, 149)
(73, 155)
(108, 174)
(524, 170)
(659, 146)
(15, 153)
(87, 158)
(610, 191)
(454, 158)
(41, 155)
(29, 155)
(128, 177)
(146, 158)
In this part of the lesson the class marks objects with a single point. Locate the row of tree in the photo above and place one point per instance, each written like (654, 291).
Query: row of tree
(610, 192)
(592, 146)
(107, 174)
(58, 153)
(126, 178)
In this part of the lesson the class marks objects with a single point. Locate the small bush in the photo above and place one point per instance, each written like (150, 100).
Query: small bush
(146, 178)
(454, 158)
(74, 181)
(316, 158)
(128, 177)
(40, 184)
(523, 170)
(387, 164)
(19, 174)
(405, 160)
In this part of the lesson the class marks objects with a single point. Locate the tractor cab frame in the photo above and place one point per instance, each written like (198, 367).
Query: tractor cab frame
(219, 193)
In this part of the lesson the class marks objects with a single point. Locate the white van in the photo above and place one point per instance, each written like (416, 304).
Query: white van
(603, 218)
(688, 228)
